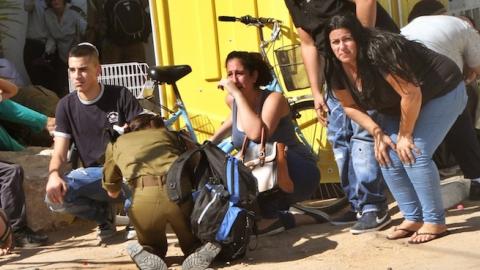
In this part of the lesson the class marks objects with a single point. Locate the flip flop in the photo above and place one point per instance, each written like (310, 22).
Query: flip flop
(406, 233)
(434, 236)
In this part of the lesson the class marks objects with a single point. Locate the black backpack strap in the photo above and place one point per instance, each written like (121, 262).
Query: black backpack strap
(217, 160)
(178, 190)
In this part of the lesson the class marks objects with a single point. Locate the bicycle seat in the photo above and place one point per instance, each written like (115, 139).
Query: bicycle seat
(168, 74)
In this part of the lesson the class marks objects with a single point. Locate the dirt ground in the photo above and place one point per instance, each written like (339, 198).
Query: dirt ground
(321, 246)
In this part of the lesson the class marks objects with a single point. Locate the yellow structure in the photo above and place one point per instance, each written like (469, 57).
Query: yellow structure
(188, 32)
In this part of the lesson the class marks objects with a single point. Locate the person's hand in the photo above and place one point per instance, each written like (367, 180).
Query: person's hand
(470, 77)
(56, 188)
(382, 144)
(321, 109)
(50, 126)
(113, 194)
(406, 148)
(226, 84)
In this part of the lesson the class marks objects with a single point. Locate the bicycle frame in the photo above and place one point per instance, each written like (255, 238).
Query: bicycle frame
(275, 85)
(174, 115)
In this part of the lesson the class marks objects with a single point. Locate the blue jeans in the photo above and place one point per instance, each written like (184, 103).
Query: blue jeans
(85, 196)
(302, 168)
(416, 187)
(353, 149)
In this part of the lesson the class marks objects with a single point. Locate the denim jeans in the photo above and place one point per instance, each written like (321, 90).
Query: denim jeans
(85, 196)
(305, 175)
(416, 187)
(353, 149)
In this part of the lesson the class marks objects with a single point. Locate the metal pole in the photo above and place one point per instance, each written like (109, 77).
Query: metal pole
(154, 21)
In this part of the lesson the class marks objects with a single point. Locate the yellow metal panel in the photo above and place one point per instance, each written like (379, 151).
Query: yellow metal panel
(392, 8)
(206, 31)
(188, 33)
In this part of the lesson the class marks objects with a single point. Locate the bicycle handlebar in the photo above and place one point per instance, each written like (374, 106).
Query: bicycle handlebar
(247, 19)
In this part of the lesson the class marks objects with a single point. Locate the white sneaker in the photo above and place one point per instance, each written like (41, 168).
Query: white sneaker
(144, 259)
(131, 232)
(202, 257)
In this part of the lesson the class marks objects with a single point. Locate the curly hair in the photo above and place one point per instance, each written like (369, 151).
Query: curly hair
(253, 61)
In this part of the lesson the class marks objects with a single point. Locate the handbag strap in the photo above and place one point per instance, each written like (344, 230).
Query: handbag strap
(261, 151)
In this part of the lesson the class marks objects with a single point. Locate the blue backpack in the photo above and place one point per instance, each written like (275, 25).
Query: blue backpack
(224, 194)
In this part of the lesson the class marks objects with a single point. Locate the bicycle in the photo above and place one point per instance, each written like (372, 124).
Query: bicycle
(308, 130)
(137, 77)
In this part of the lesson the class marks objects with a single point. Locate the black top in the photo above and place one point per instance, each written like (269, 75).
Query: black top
(437, 75)
(313, 15)
(89, 124)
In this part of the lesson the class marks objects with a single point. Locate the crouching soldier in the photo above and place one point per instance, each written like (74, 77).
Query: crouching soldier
(143, 156)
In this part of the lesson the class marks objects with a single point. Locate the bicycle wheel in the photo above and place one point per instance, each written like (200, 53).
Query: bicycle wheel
(329, 197)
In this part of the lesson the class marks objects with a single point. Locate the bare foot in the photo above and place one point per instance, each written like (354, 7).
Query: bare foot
(428, 232)
(405, 229)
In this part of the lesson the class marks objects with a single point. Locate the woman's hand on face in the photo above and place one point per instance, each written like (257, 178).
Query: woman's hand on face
(226, 84)
(406, 148)
(382, 144)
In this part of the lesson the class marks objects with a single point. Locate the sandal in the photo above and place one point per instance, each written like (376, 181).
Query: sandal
(318, 215)
(433, 236)
(404, 233)
(275, 228)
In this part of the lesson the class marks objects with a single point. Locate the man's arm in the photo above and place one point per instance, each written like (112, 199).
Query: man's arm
(314, 64)
(112, 176)
(56, 186)
(366, 11)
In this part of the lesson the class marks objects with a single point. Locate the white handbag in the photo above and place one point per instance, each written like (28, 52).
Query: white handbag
(268, 164)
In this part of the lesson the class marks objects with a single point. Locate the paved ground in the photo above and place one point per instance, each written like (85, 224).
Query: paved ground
(321, 246)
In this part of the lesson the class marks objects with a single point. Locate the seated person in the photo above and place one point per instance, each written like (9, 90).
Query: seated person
(253, 108)
(87, 117)
(13, 112)
(143, 156)
(12, 202)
